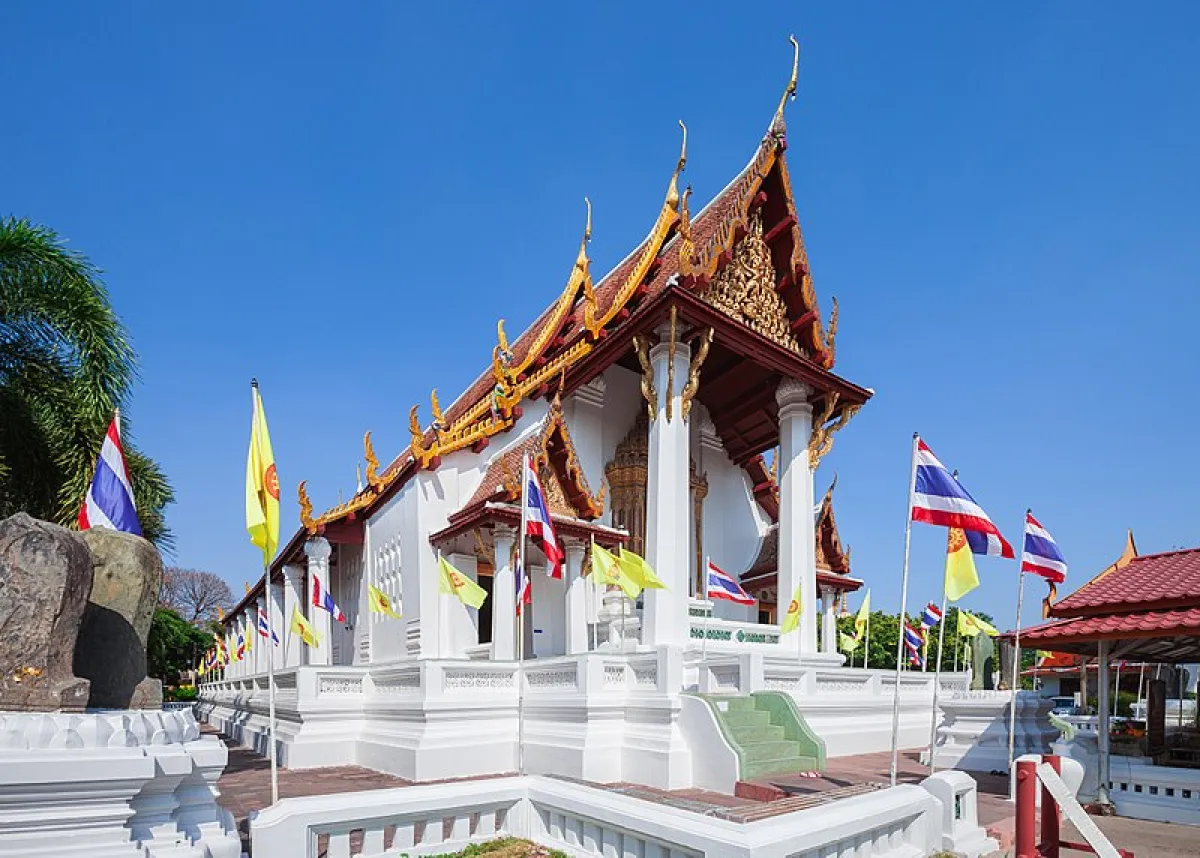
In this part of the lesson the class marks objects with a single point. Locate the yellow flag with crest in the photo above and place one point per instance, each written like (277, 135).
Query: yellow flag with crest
(262, 484)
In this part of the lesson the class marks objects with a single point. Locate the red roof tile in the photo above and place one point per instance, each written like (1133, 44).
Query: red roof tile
(1173, 576)
(1167, 623)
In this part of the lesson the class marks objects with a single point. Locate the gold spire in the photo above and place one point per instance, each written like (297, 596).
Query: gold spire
(790, 92)
(673, 188)
(306, 507)
(582, 263)
(501, 339)
(438, 417)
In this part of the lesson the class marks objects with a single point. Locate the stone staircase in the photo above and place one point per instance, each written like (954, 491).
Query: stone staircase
(768, 734)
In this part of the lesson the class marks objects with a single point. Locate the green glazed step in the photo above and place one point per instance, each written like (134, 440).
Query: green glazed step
(759, 751)
(745, 719)
(738, 704)
(781, 766)
(765, 733)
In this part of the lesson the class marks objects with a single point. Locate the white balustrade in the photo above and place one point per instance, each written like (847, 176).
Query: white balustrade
(586, 821)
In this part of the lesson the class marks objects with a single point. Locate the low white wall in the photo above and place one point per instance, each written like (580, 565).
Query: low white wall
(714, 762)
(586, 821)
(134, 784)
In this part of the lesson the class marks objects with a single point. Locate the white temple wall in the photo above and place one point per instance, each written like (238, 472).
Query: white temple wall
(392, 534)
(622, 401)
(733, 521)
(347, 587)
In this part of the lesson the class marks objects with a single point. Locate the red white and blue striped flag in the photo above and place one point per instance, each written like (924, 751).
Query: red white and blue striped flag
(538, 523)
(940, 499)
(913, 642)
(1040, 554)
(322, 598)
(931, 616)
(722, 586)
(109, 500)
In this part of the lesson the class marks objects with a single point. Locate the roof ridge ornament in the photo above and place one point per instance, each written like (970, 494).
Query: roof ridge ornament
(373, 479)
(789, 94)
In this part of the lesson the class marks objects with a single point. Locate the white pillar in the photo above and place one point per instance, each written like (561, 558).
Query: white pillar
(667, 502)
(576, 607)
(504, 596)
(317, 550)
(245, 666)
(293, 599)
(829, 621)
(797, 534)
(1102, 724)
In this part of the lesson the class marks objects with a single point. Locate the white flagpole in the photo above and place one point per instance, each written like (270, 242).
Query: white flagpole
(937, 677)
(1141, 678)
(867, 645)
(912, 484)
(271, 680)
(707, 611)
(521, 619)
(1016, 670)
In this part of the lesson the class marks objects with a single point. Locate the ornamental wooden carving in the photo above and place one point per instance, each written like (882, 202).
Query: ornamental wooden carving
(693, 382)
(651, 395)
(744, 289)
(831, 420)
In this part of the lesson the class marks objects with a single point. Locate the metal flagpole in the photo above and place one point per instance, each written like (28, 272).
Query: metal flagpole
(521, 619)
(1117, 690)
(867, 644)
(912, 485)
(1016, 672)
(271, 680)
(937, 677)
(707, 612)
(1141, 679)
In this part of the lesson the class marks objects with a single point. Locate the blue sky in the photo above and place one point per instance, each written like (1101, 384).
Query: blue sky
(341, 199)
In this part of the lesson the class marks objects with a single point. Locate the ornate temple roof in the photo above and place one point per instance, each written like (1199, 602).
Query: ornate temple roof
(832, 560)
(752, 220)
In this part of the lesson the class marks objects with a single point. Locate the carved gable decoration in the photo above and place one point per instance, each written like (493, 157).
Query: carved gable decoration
(558, 469)
(744, 289)
(830, 554)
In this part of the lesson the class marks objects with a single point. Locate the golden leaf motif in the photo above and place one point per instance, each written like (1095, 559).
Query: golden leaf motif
(372, 462)
(306, 507)
(693, 382)
(744, 289)
(643, 354)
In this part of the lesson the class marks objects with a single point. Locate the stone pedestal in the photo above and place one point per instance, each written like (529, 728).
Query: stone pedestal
(973, 733)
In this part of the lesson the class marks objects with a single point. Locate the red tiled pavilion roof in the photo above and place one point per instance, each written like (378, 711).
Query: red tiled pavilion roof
(1172, 577)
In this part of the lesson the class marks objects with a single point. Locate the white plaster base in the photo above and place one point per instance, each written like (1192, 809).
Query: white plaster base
(112, 783)
(973, 733)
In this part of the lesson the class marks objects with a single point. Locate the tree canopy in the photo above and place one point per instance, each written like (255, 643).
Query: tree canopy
(195, 595)
(65, 364)
(174, 645)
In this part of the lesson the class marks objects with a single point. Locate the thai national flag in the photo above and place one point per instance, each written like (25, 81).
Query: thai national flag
(264, 628)
(931, 616)
(322, 598)
(939, 498)
(722, 586)
(109, 500)
(1040, 554)
(913, 642)
(524, 591)
(538, 523)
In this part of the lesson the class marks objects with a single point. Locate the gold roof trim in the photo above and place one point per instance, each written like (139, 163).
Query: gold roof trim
(668, 218)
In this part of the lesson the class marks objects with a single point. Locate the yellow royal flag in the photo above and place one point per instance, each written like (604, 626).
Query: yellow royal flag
(970, 625)
(849, 643)
(961, 577)
(642, 573)
(304, 628)
(380, 603)
(262, 484)
(607, 569)
(864, 613)
(454, 583)
(791, 620)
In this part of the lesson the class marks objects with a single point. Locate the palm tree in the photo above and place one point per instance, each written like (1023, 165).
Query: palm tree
(65, 364)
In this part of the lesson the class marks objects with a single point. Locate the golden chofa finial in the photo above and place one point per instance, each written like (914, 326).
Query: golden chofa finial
(438, 418)
(306, 507)
(673, 188)
(501, 339)
(372, 461)
(790, 92)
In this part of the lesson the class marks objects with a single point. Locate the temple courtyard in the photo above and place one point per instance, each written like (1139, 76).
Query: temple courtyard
(246, 787)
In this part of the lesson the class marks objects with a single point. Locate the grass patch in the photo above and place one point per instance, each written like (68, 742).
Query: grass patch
(505, 847)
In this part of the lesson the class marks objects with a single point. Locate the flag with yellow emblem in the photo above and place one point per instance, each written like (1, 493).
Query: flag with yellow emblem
(961, 577)
(607, 569)
(791, 620)
(380, 603)
(970, 625)
(642, 573)
(304, 628)
(451, 582)
(262, 484)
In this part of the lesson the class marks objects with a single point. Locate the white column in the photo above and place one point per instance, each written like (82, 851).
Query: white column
(797, 534)
(261, 644)
(829, 621)
(576, 607)
(667, 502)
(244, 666)
(293, 599)
(504, 595)
(317, 550)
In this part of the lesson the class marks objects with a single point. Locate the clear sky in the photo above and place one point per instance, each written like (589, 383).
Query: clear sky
(341, 199)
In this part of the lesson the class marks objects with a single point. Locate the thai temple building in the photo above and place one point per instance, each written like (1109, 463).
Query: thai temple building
(679, 406)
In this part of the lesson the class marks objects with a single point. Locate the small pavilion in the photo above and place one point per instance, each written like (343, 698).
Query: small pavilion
(1142, 608)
